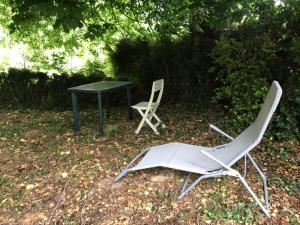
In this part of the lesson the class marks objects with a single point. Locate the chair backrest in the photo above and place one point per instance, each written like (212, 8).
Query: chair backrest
(250, 137)
(157, 86)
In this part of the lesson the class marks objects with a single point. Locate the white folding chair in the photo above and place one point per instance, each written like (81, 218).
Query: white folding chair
(214, 161)
(148, 109)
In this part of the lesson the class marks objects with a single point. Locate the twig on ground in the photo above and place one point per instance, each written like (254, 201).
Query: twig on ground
(82, 221)
(58, 202)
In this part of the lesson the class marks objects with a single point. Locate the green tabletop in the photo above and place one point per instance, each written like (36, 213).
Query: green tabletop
(101, 86)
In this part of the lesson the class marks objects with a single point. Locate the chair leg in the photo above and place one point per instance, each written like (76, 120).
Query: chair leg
(185, 189)
(152, 126)
(185, 183)
(139, 127)
(159, 120)
(142, 121)
(125, 170)
(146, 119)
(264, 180)
(264, 209)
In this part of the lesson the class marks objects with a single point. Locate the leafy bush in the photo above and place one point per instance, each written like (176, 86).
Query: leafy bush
(246, 63)
(289, 121)
(243, 74)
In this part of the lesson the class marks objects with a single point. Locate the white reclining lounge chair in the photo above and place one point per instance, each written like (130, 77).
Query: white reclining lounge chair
(216, 161)
(148, 109)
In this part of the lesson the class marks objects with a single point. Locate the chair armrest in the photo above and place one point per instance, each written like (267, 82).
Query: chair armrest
(231, 171)
(221, 132)
(220, 146)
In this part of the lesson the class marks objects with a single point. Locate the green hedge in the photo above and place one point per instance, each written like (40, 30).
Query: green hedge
(23, 88)
(183, 64)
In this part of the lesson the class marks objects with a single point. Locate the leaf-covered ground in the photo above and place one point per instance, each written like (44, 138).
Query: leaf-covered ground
(49, 175)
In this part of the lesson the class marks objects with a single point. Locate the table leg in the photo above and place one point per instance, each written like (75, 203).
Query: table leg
(101, 120)
(107, 97)
(128, 88)
(76, 125)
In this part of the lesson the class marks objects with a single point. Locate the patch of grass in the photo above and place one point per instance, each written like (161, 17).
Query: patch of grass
(10, 130)
(3, 199)
(4, 180)
(69, 220)
(180, 216)
(112, 129)
(215, 194)
(8, 191)
(179, 134)
(40, 173)
(161, 194)
(116, 150)
(52, 144)
(17, 193)
(292, 187)
(282, 153)
(192, 133)
(62, 158)
(56, 128)
(241, 213)
(161, 130)
(293, 219)
(149, 206)
(87, 157)
(86, 137)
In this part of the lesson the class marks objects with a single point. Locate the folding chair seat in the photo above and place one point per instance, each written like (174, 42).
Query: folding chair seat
(148, 109)
(144, 105)
(216, 161)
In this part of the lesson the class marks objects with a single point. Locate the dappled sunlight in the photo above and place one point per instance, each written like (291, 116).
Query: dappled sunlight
(18, 55)
(54, 60)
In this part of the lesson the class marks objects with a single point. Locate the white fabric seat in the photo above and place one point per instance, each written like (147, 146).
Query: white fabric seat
(178, 156)
(214, 161)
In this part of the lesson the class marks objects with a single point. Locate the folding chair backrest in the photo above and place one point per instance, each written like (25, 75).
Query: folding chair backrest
(250, 137)
(157, 86)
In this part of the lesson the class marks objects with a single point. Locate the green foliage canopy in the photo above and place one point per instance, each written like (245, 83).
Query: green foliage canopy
(88, 27)
(163, 18)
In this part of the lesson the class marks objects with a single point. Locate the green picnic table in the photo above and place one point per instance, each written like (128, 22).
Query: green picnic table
(99, 88)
